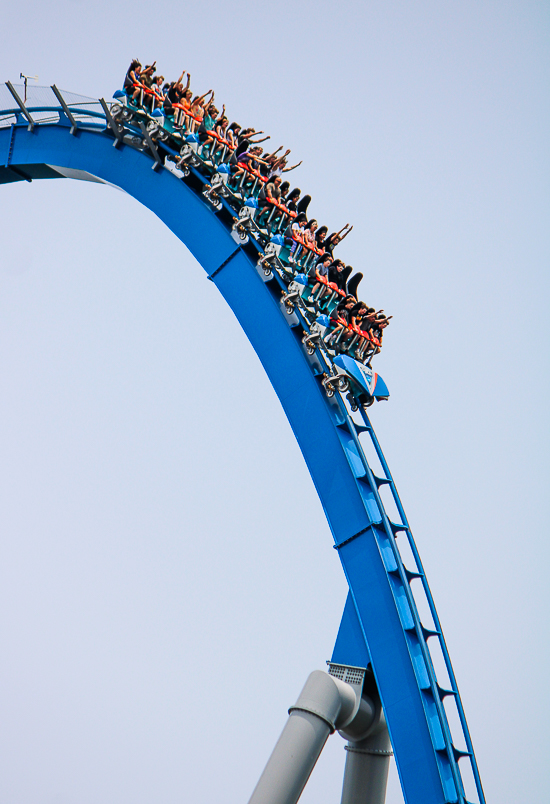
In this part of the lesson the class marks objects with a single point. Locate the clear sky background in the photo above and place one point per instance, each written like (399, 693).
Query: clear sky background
(167, 580)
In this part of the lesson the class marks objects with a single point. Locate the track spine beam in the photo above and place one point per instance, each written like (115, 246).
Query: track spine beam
(424, 633)
(365, 537)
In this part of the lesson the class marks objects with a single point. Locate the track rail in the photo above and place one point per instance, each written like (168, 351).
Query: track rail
(381, 626)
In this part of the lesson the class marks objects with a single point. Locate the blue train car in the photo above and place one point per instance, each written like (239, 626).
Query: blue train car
(363, 383)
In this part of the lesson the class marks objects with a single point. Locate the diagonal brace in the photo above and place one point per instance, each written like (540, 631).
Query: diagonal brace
(152, 146)
(21, 106)
(61, 99)
(117, 131)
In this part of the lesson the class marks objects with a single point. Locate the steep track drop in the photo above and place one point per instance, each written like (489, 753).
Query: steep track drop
(58, 135)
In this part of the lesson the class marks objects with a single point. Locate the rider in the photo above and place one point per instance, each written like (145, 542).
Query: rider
(336, 237)
(340, 319)
(294, 235)
(269, 194)
(132, 76)
(318, 277)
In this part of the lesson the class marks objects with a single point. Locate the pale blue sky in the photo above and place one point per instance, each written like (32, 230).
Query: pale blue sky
(167, 579)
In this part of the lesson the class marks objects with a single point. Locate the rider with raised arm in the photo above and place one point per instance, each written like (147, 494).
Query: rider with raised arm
(277, 163)
(282, 166)
(361, 318)
(244, 141)
(196, 110)
(336, 237)
(271, 160)
(248, 162)
(209, 122)
(380, 323)
(177, 90)
(175, 95)
(145, 79)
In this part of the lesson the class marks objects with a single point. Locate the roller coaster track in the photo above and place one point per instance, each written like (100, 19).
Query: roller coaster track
(59, 134)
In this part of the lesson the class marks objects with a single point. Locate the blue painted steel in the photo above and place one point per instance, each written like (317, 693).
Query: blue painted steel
(363, 376)
(380, 388)
(381, 622)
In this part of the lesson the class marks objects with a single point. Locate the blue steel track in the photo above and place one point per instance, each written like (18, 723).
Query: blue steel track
(381, 626)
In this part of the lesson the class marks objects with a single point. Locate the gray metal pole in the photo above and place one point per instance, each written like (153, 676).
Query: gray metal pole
(325, 704)
(292, 760)
(367, 766)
